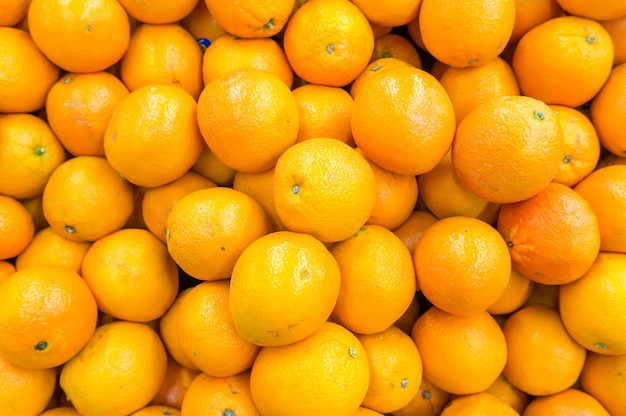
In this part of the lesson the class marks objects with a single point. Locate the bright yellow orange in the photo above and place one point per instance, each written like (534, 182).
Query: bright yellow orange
(47, 314)
(295, 378)
(377, 280)
(478, 404)
(177, 380)
(462, 264)
(328, 42)
(208, 395)
(49, 248)
(454, 350)
(283, 288)
(396, 46)
(570, 401)
(80, 36)
(251, 18)
(429, 401)
(27, 74)
(202, 235)
(159, 11)
(265, 128)
(16, 228)
(607, 112)
(79, 107)
(604, 377)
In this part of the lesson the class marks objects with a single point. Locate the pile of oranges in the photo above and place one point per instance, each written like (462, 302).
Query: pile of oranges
(323, 207)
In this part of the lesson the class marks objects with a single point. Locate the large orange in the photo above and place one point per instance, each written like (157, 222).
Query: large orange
(592, 309)
(377, 280)
(604, 377)
(605, 191)
(251, 18)
(47, 314)
(564, 60)
(403, 120)
(283, 288)
(49, 248)
(460, 354)
(570, 401)
(478, 404)
(26, 73)
(162, 54)
(131, 275)
(325, 373)
(79, 107)
(600, 10)
(118, 354)
(207, 332)
(325, 188)
(248, 118)
(208, 229)
(328, 42)
(80, 36)
(543, 358)
(85, 199)
(553, 237)
(608, 109)
(507, 149)
(462, 264)
(466, 33)
(153, 137)
(208, 395)
(16, 228)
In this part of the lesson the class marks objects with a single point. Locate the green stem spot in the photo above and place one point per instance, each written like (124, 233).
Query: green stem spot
(352, 352)
(472, 62)
(41, 346)
(269, 25)
(590, 39)
(69, 229)
(40, 150)
(509, 244)
(539, 115)
(295, 189)
(67, 80)
(228, 412)
(567, 159)
(330, 48)
(404, 383)
(375, 68)
(602, 346)
(426, 394)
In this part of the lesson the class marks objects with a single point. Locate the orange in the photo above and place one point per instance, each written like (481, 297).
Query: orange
(372, 69)
(543, 359)
(86, 199)
(208, 395)
(324, 112)
(570, 401)
(325, 373)
(617, 30)
(228, 53)
(251, 19)
(131, 275)
(208, 229)
(49, 248)
(377, 280)
(29, 153)
(553, 237)
(79, 107)
(601, 10)
(444, 196)
(462, 264)
(47, 314)
(396, 196)
(60, 411)
(159, 11)
(260, 186)
(412, 230)
(582, 146)
(34, 207)
(162, 54)
(153, 137)
(460, 354)
(469, 87)
(529, 14)
(607, 112)
(200, 23)
(429, 401)
(395, 369)
(605, 191)
(233, 118)
(403, 120)
(505, 391)
(517, 292)
(415, 34)
(79, 36)
(478, 404)
(177, 380)
(410, 315)
(154, 410)
(24, 391)
(168, 330)
(604, 377)
(364, 411)
(136, 217)
(328, 42)
(283, 288)
(390, 12)
(325, 188)
(609, 159)
(27, 74)
(545, 295)
(592, 309)
(207, 333)
(16, 228)
(13, 11)
(396, 46)
(209, 166)
(503, 140)
(118, 354)
(157, 202)
(552, 60)
(6, 269)
(466, 33)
